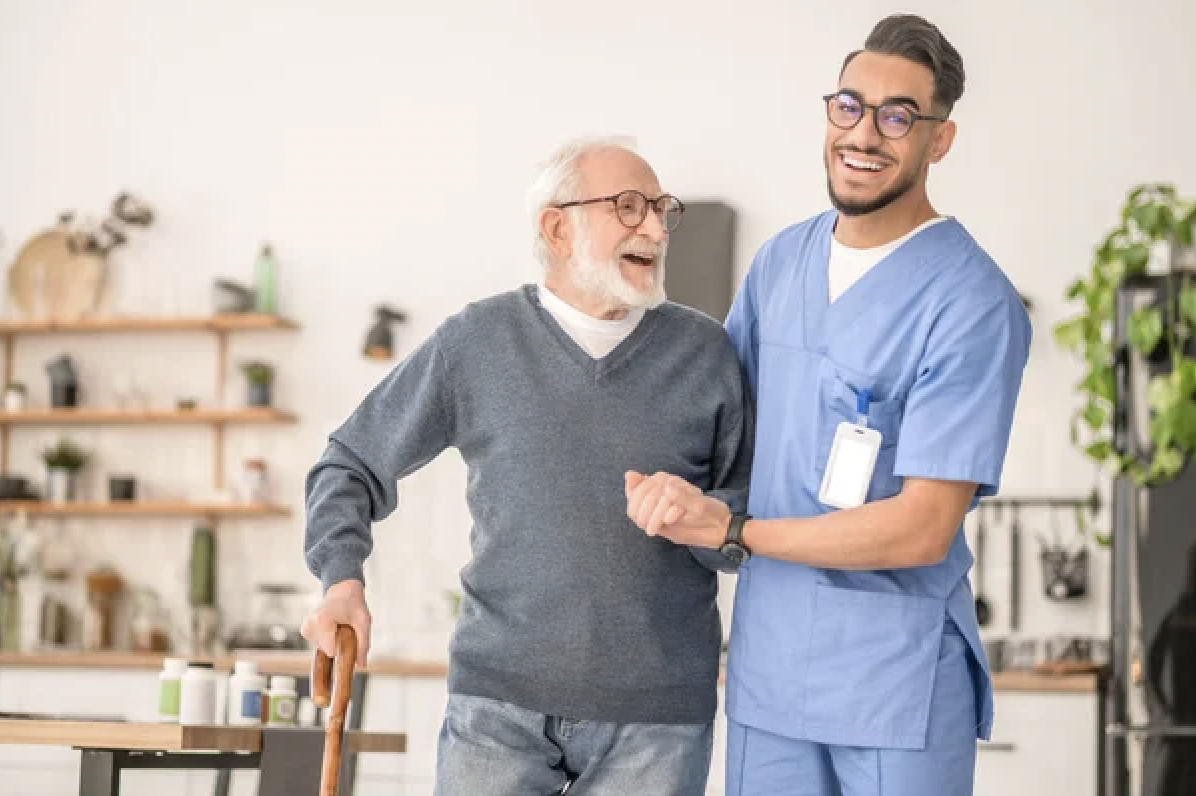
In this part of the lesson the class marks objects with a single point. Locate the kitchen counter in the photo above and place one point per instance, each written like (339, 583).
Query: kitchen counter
(269, 662)
(299, 663)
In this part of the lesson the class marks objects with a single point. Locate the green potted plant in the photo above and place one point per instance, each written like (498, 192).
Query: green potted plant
(259, 379)
(63, 463)
(1156, 225)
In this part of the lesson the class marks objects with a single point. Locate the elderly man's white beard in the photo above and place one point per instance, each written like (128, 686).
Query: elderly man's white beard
(603, 281)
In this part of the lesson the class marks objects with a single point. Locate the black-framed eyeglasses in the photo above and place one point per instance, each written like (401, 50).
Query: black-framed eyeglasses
(631, 207)
(893, 120)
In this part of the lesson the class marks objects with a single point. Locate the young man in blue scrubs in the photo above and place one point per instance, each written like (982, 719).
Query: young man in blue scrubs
(884, 345)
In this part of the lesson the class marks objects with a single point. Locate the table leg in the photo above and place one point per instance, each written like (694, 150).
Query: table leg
(99, 773)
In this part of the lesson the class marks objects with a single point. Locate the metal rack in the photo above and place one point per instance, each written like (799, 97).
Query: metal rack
(1117, 727)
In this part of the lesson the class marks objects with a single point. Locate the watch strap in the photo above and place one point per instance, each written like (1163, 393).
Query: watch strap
(735, 529)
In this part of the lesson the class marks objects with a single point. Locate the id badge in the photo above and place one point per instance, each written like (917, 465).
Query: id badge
(849, 466)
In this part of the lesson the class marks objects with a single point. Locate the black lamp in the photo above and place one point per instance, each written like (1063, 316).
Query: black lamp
(380, 340)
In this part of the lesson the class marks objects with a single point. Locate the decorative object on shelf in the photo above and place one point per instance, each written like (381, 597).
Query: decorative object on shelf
(254, 481)
(276, 613)
(104, 587)
(10, 615)
(147, 622)
(233, 298)
(63, 463)
(59, 273)
(266, 279)
(202, 567)
(122, 487)
(16, 397)
(64, 383)
(379, 340)
(126, 392)
(18, 554)
(259, 378)
(1155, 236)
(185, 404)
(201, 592)
(54, 622)
(16, 487)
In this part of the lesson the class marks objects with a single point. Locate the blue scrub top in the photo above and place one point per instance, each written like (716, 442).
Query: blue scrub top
(941, 337)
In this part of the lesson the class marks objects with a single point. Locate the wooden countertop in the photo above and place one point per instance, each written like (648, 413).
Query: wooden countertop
(293, 663)
(299, 663)
(147, 736)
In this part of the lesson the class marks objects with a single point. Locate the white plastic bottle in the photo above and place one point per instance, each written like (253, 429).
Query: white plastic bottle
(197, 703)
(170, 683)
(282, 701)
(246, 689)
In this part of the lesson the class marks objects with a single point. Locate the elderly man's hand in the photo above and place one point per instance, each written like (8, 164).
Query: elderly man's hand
(668, 506)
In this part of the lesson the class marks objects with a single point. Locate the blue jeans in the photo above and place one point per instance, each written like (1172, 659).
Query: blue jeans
(498, 749)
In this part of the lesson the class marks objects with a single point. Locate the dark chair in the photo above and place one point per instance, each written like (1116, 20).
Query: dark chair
(348, 760)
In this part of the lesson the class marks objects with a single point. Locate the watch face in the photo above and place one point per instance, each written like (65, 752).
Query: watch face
(736, 553)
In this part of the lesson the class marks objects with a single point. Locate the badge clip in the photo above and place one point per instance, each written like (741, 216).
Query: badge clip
(863, 400)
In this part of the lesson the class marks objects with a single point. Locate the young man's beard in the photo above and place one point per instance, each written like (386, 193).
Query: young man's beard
(863, 207)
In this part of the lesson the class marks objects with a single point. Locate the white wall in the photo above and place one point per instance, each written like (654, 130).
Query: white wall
(384, 149)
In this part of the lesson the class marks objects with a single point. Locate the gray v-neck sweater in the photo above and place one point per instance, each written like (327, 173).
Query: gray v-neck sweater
(568, 608)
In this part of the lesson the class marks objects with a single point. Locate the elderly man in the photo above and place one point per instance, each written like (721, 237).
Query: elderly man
(586, 654)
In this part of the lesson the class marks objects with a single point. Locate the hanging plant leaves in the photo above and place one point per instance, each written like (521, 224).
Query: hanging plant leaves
(1146, 330)
(1187, 304)
(1152, 217)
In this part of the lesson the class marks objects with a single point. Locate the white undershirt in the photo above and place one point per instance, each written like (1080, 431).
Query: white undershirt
(847, 266)
(598, 337)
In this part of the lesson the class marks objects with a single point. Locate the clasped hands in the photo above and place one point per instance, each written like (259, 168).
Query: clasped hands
(669, 506)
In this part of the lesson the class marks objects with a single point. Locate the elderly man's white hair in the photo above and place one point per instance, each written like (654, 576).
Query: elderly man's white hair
(559, 180)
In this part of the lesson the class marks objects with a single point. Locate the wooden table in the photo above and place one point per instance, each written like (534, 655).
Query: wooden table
(287, 757)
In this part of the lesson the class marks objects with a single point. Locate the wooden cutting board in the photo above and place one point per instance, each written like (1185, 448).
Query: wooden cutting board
(48, 280)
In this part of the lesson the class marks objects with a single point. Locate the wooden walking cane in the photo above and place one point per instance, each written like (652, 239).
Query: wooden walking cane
(332, 685)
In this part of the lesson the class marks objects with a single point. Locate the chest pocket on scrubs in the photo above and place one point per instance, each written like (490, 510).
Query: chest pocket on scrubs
(837, 404)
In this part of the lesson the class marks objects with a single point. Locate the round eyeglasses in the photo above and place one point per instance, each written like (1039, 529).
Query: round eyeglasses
(893, 120)
(631, 207)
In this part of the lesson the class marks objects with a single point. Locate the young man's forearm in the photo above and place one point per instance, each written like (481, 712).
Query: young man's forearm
(912, 529)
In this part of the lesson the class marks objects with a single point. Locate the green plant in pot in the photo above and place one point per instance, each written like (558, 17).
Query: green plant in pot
(1155, 223)
(63, 463)
(259, 380)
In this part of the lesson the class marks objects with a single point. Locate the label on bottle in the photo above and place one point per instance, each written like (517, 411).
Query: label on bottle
(169, 694)
(251, 704)
(282, 709)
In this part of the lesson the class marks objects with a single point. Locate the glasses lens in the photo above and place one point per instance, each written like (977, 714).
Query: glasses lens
(631, 207)
(844, 110)
(894, 120)
(670, 211)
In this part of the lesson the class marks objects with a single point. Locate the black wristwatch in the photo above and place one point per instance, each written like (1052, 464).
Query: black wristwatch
(733, 547)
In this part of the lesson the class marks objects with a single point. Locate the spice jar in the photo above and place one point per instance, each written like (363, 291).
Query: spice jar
(14, 397)
(253, 480)
(103, 589)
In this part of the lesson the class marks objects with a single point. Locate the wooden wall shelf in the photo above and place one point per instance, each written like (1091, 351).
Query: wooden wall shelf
(138, 508)
(232, 322)
(221, 325)
(95, 417)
